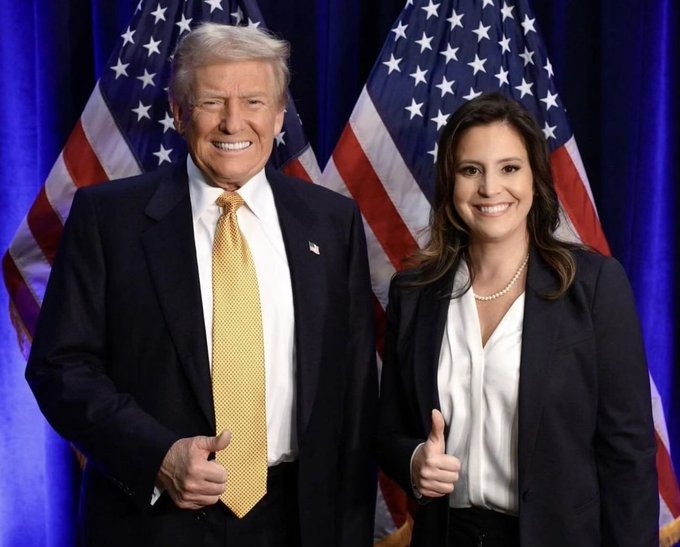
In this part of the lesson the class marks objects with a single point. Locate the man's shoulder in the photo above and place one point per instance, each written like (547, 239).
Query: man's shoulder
(136, 185)
(310, 191)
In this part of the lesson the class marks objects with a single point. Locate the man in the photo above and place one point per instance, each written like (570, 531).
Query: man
(140, 349)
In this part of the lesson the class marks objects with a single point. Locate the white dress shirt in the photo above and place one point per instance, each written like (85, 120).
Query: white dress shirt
(259, 223)
(478, 391)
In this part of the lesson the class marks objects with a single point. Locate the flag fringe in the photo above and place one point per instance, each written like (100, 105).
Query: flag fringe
(24, 338)
(669, 534)
(399, 538)
(80, 457)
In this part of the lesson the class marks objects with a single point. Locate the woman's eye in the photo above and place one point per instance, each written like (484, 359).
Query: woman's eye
(510, 168)
(469, 171)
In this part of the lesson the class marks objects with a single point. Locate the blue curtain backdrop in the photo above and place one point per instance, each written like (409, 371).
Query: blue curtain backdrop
(616, 64)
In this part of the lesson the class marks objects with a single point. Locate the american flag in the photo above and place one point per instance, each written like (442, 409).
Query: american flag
(125, 129)
(437, 56)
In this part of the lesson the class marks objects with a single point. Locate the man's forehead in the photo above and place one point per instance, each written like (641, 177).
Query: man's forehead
(261, 65)
(240, 72)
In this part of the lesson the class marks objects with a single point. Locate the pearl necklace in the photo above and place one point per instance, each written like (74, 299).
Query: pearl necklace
(507, 287)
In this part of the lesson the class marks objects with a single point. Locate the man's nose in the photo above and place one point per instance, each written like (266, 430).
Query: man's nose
(232, 117)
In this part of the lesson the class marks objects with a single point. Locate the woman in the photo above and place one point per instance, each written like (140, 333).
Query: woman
(515, 399)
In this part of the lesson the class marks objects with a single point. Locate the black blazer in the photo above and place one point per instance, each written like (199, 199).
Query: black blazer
(586, 453)
(119, 363)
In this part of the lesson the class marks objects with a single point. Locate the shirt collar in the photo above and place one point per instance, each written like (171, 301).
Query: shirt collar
(203, 195)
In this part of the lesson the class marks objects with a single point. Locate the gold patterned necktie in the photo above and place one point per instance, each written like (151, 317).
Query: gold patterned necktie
(238, 362)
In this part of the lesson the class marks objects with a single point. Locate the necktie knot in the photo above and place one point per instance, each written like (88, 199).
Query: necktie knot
(229, 201)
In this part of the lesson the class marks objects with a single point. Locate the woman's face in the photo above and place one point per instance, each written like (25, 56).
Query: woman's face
(494, 184)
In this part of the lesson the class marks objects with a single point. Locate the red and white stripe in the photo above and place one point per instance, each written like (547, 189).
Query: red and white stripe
(304, 166)
(95, 151)
(669, 494)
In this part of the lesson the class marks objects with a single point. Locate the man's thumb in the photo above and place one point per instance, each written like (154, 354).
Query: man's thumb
(437, 431)
(215, 444)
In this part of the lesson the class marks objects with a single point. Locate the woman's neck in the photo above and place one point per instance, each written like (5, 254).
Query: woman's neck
(494, 262)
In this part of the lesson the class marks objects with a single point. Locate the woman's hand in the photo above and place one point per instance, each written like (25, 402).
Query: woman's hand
(433, 472)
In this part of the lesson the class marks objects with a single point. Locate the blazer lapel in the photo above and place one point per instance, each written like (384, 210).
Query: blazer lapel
(539, 334)
(308, 280)
(429, 323)
(171, 257)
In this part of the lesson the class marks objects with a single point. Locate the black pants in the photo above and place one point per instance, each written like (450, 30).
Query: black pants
(273, 522)
(474, 527)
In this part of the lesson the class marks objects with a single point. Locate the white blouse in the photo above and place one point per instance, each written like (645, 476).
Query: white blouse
(478, 389)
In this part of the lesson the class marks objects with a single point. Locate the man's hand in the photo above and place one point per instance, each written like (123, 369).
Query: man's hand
(433, 472)
(186, 474)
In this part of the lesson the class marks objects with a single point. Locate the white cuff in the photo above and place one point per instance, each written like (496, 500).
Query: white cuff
(416, 492)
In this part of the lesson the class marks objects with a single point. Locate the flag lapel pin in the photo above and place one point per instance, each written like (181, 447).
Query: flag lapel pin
(313, 247)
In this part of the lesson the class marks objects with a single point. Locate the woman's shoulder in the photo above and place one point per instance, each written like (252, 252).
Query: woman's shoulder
(411, 285)
(407, 277)
(592, 266)
(403, 283)
(415, 279)
(593, 260)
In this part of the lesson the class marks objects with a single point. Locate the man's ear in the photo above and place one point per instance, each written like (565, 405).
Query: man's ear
(178, 116)
(278, 121)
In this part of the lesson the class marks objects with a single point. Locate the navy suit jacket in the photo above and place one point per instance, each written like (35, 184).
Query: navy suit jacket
(586, 454)
(119, 363)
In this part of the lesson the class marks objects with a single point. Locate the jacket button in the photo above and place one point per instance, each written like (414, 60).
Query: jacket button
(528, 495)
(200, 515)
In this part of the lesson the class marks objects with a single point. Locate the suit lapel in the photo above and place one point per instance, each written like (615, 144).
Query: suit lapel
(299, 228)
(539, 334)
(171, 256)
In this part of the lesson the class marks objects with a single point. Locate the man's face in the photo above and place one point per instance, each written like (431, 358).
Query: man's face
(231, 124)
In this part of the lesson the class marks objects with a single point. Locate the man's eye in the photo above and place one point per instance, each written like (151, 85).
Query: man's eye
(210, 104)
